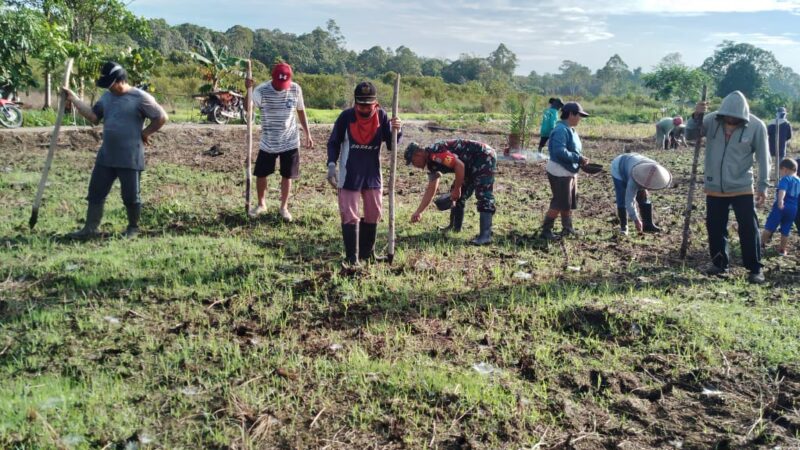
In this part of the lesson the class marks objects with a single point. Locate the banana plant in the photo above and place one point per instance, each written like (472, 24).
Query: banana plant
(217, 63)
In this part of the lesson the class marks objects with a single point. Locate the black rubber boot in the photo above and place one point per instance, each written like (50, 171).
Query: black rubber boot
(647, 218)
(547, 228)
(566, 226)
(134, 213)
(622, 213)
(485, 235)
(350, 237)
(456, 219)
(366, 241)
(94, 215)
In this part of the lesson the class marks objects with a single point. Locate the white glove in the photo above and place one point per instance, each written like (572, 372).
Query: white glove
(331, 177)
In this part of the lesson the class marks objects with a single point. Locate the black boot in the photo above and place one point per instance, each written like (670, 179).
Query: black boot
(350, 237)
(134, 212)
(647, 218)
(366, 241)
(94, 215)
(547, 228)
(456, 219)
(485, 235)
(622, 213)
(566, 226)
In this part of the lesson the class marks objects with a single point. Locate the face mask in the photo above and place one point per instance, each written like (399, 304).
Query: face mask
(367, 114)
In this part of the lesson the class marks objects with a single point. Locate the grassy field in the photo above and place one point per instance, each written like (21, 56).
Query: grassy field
(215, 331)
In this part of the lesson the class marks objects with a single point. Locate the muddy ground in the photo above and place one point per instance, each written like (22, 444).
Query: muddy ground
(667, 407)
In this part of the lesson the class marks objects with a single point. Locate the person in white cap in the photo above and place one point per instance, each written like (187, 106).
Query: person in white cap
(633, 176)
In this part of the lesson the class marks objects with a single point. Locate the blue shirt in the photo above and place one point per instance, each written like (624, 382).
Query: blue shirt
(565, 147)
(790, 184)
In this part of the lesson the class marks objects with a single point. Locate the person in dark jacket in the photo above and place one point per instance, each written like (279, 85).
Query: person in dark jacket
(474, 165)
(123, 110)
(355, 144)
(784, 130)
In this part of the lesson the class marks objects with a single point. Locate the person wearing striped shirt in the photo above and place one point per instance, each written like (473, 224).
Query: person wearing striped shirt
(281, 104)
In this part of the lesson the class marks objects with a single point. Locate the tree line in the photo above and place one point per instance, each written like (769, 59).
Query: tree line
(37, 35)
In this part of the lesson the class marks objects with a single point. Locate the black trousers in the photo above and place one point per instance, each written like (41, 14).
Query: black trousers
(717, 212)
(103, 178)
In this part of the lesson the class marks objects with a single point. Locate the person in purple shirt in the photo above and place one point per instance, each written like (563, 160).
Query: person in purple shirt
(355, 144)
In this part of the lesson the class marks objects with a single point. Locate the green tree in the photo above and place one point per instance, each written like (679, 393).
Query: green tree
(23, 34)
(741, 76)
(575, 77)
(675, 83)
(141, 64)
(432, 67)
(372, 62)
(745, 56)
(466, 68)
(614, 78)
(405, 62)
(503, 60)
(241, 41)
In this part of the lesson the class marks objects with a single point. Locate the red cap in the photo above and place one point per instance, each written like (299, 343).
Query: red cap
(281, 76)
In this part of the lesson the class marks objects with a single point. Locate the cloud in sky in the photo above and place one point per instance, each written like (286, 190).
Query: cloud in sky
(541, 33)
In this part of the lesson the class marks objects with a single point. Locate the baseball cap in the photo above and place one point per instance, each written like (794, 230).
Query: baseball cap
(556, 101)
(366, 93)
(281, 76)
(574, 108)
(109, 73)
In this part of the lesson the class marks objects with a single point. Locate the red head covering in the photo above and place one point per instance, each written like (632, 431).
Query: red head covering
(281, 76)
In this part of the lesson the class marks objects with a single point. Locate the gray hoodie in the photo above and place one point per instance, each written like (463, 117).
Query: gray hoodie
(729, 165)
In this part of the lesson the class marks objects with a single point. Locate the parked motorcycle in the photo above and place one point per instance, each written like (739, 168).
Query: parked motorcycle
(10, 114)
(222, 106)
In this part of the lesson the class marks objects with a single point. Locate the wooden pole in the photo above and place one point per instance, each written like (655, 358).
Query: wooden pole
(249, 140)
(687, 216)
(393, 172)
(777, 150)
(62, 102)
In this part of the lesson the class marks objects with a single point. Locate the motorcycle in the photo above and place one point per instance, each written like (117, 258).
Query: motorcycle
(222, 106)
(10, 114)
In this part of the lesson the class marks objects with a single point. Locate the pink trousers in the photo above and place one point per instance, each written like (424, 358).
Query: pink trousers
(348, 205)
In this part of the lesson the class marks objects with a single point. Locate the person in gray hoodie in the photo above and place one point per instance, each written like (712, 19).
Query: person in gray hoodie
(734, 138)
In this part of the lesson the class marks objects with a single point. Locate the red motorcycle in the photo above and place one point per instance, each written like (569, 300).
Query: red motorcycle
(10, 114)
(222, 106)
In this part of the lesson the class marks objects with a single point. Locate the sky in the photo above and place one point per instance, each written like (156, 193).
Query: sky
(542, 33)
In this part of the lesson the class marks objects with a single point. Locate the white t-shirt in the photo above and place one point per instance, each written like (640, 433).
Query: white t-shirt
(279, 130)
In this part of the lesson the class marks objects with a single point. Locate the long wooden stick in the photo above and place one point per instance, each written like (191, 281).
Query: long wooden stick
(51, 152)
(249, 140)
(777, 149)
(393, 171)
(687, 216)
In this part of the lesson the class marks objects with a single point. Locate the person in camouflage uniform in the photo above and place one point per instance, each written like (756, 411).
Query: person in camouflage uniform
(474, 164)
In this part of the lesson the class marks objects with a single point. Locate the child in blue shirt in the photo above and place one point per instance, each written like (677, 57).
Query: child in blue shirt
(784, 210)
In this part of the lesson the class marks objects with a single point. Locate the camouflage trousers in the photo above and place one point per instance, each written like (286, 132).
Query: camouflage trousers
(479, 168)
